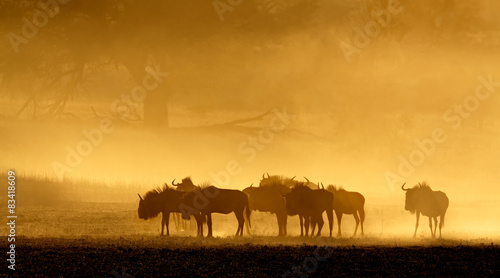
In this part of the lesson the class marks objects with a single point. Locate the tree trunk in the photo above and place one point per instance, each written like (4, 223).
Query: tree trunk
(156, 100)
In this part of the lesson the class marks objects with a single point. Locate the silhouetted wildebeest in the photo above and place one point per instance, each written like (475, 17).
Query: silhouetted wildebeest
(310, 204)
(205, 201)
(347, 202)
(422, 199)
(267, 198)
(165, 200)
(185, 185)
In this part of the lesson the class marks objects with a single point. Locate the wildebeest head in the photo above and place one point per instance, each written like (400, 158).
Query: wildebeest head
(295, 198)
(414, 195)
(142, 209)
(149, 206)
(185, 185)
(249, 189)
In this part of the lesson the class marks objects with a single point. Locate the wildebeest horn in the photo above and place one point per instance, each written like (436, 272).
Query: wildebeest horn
(322, 186)
(403, 187)
(292, 178)
(268, 175)
(307, 180)
(263, 175)
(139, 196)
(173, 183)
(251, 185)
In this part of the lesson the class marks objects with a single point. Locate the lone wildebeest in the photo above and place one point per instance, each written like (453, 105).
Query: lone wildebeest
(347, 202)
(310, 204)
(267, 198)
(422, 199)
(164, 200)
(205, 201)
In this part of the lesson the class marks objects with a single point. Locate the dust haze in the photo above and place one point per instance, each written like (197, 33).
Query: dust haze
(108, 99)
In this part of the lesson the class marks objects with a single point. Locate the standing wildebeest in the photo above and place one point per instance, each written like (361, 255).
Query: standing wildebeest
(422, 199)
(267, 198)
(205, 201)
(347, 202)
(158, 200)
(310, 204)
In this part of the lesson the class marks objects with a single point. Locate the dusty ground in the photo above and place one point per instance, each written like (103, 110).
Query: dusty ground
(83, 239)
(252, 257)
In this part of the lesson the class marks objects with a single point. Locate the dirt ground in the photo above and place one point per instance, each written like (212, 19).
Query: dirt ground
(251, 257)
(108, 240)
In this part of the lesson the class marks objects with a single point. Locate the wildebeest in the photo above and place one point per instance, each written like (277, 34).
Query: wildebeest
(347, 202)
(164, 200)
(267, 198)
(422, 199)
(205, 201)
(310, 204)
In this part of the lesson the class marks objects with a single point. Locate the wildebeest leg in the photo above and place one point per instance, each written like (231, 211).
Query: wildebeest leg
(416, 224)
(339, 221)
(306, 224)
(329, 214)
(430, 226)
(301, 220)
(167, 220)
(355, 214)
(362, 217)
(199, 224)
(281, 230)
(162, 223)
(441, 224)
(285, 219)
(435, 225)
(313, 226)
(320, 224)
(209, 224)
(241, 221)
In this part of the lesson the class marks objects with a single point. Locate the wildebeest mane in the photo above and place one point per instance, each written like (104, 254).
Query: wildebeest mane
(187, 180)
(273, 181)
(300, 186)
(422, 185)
(335, 188)
(155, 192)
(204, 185)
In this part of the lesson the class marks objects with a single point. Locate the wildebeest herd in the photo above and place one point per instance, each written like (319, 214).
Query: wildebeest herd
(283, 197)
